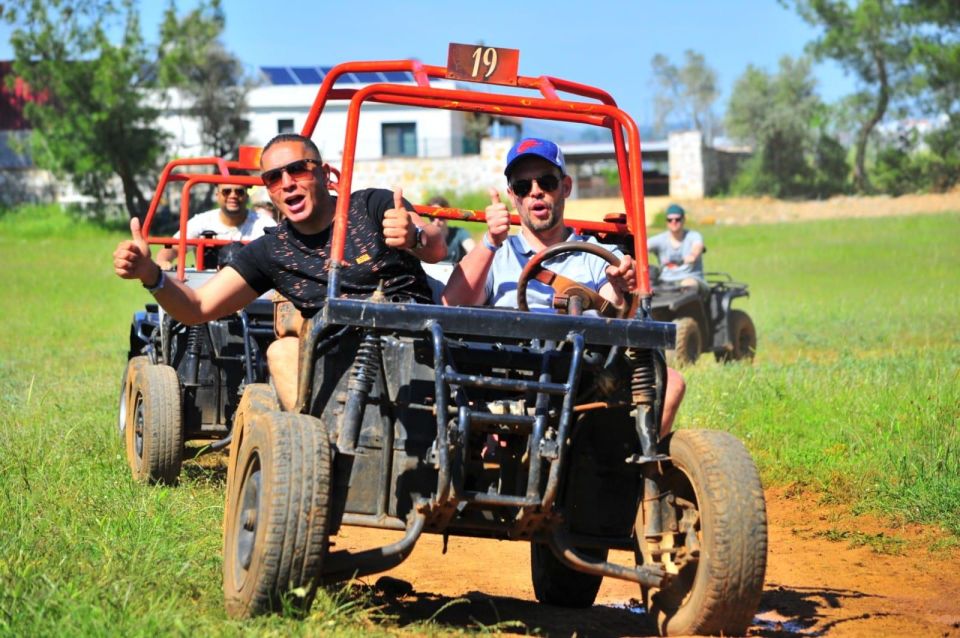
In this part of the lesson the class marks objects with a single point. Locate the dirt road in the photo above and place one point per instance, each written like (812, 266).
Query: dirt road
(824, 578)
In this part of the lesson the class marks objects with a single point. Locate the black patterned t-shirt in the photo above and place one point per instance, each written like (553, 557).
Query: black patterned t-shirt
(296, 264)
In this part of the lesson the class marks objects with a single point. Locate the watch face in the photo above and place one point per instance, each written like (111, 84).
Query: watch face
(421, 237)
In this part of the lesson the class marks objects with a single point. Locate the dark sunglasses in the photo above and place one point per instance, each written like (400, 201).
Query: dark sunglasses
(522, 187)
(670, 220)
(298, 171)
(227, 192)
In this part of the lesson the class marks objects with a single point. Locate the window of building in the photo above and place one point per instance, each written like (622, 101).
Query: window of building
(285, 126)
(400, 139)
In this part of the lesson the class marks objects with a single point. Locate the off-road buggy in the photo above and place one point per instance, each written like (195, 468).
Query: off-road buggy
(396, 402)
(705, 320)
(183, 383)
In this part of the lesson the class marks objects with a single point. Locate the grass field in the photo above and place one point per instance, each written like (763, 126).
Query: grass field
(854, 394)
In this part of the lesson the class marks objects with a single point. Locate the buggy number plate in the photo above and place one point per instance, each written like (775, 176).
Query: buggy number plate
(478, 63)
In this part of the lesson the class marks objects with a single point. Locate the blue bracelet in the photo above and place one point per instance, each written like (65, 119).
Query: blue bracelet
(489, 244)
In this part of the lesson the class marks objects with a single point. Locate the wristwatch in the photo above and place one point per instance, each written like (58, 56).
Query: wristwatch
(161, 280)
(419, 237)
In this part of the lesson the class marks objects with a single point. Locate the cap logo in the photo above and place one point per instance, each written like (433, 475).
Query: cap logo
(526, 145)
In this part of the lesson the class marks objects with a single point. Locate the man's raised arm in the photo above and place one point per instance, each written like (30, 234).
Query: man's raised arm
(225, 293)
(467, 283)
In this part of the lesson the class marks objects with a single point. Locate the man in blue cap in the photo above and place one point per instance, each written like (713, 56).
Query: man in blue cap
(538, 185)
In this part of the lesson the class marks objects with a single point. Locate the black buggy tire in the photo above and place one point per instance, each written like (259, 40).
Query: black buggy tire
(277, 515)
(130, 372)
(689, 343)
(712, 479)
(743, 338)
(556, 584)
(154, 434)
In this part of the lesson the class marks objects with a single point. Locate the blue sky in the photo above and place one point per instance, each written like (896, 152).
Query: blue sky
(603, 43)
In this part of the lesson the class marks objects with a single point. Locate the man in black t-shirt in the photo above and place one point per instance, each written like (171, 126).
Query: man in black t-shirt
(385, 242)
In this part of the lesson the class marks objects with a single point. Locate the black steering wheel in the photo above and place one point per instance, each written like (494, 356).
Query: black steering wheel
(569, 296)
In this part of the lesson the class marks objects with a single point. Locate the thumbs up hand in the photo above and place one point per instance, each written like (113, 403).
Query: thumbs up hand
(498, 219)
(398, 229)
(131, 259)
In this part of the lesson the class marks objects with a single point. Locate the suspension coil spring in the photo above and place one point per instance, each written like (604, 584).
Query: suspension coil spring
(193, 340)
(365, 364)
(643, 377)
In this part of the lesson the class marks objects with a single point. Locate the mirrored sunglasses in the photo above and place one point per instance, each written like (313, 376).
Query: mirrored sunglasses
(298, 171)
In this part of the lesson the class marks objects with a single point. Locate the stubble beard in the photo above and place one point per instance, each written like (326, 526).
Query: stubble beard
(541, 225)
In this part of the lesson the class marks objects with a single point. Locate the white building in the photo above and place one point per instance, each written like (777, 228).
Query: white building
(282, 103)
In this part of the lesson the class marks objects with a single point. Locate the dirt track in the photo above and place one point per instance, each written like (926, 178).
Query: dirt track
(823, 577)
(818, 583)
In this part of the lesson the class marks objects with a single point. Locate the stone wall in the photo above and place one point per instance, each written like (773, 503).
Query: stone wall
(420, 177)
(687, 177)
(698, 170)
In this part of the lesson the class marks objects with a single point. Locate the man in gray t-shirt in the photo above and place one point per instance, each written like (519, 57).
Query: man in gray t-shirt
(538, 185)
(679, 251)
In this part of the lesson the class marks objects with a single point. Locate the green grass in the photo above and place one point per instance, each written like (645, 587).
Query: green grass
(856, 386)
(854, 393)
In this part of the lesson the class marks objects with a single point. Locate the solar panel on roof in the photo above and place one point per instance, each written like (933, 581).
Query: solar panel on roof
(306, 74)
(367, 77)
(397, 76)
(278, 75)
(282, 75)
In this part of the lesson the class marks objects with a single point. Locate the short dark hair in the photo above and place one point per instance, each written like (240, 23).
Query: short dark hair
(439, 200)
(293, 137)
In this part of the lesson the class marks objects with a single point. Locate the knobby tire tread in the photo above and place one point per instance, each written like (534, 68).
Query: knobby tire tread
(738, 540)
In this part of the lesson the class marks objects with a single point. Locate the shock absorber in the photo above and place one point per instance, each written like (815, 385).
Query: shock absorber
(643, 377)
(643, 390)
(191, 360)
(363, 374)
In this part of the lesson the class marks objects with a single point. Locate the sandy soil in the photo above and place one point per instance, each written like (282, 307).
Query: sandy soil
(768, 210)
(818, 582)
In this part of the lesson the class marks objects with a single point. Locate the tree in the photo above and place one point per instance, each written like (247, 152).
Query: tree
(193, 59)
(92, 122)
(97, 119)
(476, 126)
(936, 48)
(784, 120)
(870, 39)
(688, 91)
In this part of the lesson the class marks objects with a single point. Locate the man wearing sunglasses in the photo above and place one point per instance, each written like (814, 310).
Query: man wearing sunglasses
(538, 186)
(679, 251)
(385, 242)
(230, 220)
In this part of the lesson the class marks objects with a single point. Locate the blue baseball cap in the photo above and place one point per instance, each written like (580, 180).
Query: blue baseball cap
(535, 146)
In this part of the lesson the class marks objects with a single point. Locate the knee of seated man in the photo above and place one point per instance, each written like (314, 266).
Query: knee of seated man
(676, 386)
(282, 353)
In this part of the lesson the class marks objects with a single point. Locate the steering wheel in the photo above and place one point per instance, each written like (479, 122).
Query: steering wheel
(570, 297)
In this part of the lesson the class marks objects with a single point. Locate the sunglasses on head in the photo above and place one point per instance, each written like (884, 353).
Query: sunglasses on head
(298, 171)
(522, 187)
(239, 192)
(670, 220)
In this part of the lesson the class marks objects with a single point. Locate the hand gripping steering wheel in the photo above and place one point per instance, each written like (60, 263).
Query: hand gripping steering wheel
(570, 297)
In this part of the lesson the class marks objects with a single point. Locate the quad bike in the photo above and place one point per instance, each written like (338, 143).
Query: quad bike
(183, 383)
(705, 320)
(396, 402)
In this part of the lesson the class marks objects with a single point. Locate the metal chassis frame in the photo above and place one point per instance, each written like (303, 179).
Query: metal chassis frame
(437, 321)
